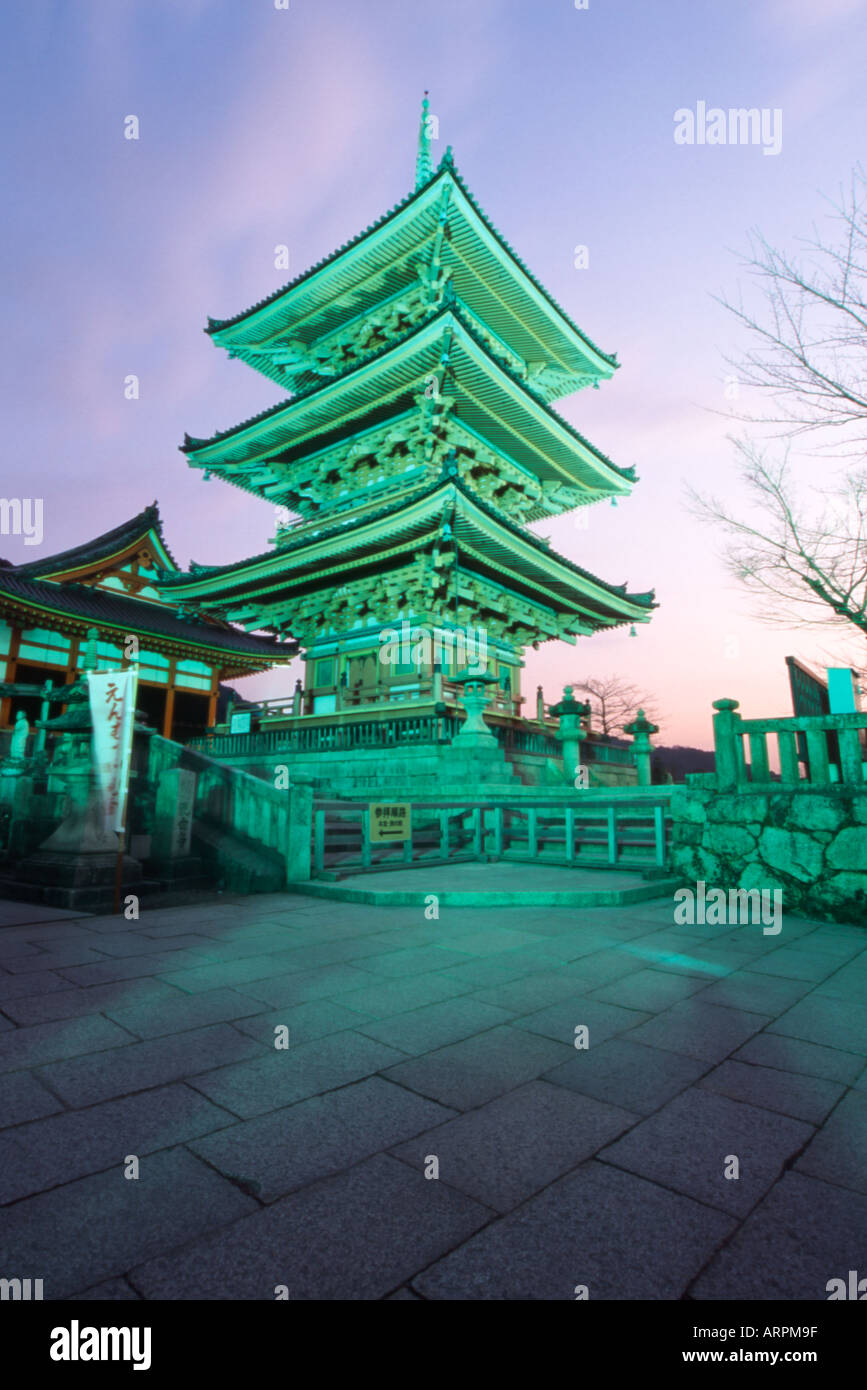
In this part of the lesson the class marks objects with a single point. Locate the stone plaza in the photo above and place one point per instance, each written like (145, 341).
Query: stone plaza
(430, 1129)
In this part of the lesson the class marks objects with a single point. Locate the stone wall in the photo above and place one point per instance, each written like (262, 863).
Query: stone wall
(809, 842)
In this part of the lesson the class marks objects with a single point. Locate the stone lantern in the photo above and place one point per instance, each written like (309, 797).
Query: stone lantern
(474, 732)
(641, 729)
(571, 712)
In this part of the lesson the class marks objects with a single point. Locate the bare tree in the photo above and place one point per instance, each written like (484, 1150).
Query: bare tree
(808, 563)
(615, 702)
(810, 358)
(808, 560)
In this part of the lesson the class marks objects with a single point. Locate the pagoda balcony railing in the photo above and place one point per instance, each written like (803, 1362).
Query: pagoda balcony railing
(831, 748)
(302, 736)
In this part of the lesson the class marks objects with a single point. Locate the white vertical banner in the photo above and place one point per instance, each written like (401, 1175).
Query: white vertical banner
(112, 710)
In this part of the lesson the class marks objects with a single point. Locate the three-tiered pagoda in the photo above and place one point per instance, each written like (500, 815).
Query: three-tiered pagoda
(417, 444)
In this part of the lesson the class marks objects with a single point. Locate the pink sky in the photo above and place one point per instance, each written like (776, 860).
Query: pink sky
(261, 127)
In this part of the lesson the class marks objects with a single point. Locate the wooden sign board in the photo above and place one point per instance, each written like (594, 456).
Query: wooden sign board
(389, 821)
(240, 723)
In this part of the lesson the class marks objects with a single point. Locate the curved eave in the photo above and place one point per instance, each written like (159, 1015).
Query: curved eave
(227, 659)
(373, 540)
(308, 304)
(393, 375)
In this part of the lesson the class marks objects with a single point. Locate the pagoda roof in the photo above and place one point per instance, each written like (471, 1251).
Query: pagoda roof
(313, 559)
(144, 528)
(502, 408)
(487, 271)
(79, 606)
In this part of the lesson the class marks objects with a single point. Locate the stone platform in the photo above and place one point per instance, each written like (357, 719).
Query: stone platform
(493, 885)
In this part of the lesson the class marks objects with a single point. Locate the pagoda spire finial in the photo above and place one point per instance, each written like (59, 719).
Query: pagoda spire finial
(423, 167)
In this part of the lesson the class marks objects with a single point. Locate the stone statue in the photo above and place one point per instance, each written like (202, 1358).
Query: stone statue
(20, 734)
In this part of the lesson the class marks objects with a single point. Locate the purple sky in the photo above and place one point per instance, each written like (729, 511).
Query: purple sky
(262, 126)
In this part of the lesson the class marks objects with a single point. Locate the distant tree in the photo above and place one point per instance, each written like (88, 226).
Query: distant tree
(615, 702)
(807, 560)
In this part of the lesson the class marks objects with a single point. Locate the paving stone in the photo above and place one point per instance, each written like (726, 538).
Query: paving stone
(848, 983)
(416, 961)
(329, 981)
(112, 1291)
(608, 1230)
(686, 1144)
(23, 1098)
(280, 1079)
(218, 974)
(829, 1022)
(181, 1012)
(392, 1223)
(384, 998)
(636, 1077)
(488, 971)
(92, 1230)
(15, 949)
(797, 964)
(140, 1065)
(18, 986)
(404, 1295)
(560, 1020)
(803, 1097)
(650, 990)
(129, 967)
(75, 1003)
(761, 994)
(512, 1147)
(837, 1154)
(491, 941)
(807, 1059)
(435, 1025)
(50, 1152)
(320, 1136)
(531, 994)
(802, 1235)
(44, 1042)
(468, 1073)
(705, 1031)
(64, 954)
(317, 1019)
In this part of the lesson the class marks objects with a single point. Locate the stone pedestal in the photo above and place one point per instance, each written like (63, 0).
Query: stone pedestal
(75, 867)
(173, 815)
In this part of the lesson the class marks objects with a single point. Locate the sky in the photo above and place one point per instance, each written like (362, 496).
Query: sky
(262, 126)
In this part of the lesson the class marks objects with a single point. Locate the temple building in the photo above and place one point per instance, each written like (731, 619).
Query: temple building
(417, 444)
(48, 606)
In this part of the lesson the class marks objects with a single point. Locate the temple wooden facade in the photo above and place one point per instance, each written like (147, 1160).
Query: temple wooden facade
(110, 584)
(417, 444)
